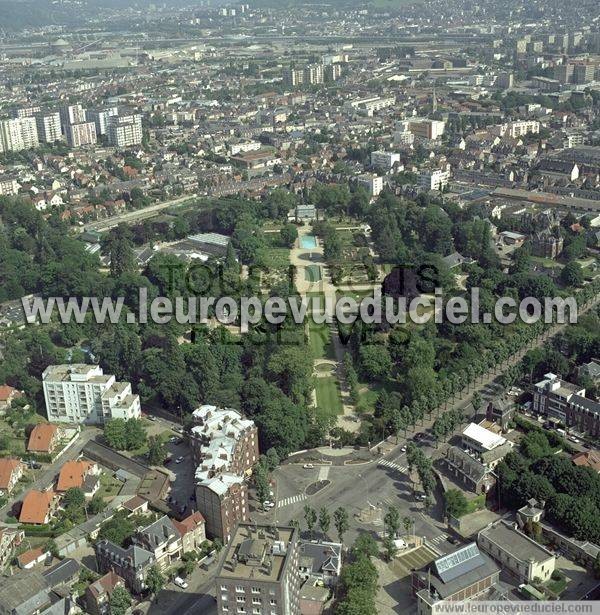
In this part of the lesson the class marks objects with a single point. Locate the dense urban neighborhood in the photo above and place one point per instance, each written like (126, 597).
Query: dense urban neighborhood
(204, 207)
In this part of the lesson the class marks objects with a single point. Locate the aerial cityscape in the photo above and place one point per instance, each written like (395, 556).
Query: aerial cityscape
(300, 307)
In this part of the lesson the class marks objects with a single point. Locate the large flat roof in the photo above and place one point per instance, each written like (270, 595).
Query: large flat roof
(486, 438)
(258, 552)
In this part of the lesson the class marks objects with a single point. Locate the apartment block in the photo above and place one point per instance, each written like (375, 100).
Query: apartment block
(434, 179)
(8, 186)
(552, 396)
(82, 393)
(293, 77)
(100, 118)
(225, 446)
(260, 572)
(384, 160)
(314, 74)
(18, 134)
(427, 129)
(79, 135)
(72, 114)
(371, 183)
(49, 127)
(124, 130)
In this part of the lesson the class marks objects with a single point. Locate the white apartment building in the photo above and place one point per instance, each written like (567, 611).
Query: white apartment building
(372, 183)
(81, 134)
(519, 128)
(18, 134)
(293, 77)
(81, 393)
(49, 127)
(314, 74)
(434, 179)
(403, 138)
(244, 146)
(427, 129)
(72, 114)
(125, 130)
(100, 118)
(384, 160)
(8, 186)
(371, 104)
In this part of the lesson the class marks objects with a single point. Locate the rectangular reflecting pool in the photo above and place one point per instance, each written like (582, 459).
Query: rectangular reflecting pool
(308, 242)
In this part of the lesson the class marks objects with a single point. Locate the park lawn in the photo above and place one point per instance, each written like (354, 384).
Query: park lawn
(143, 450)
(547, 262)
(109, 486)
(274, 258)
(320, 340)
(475, 504)
(329, 403)
(557, 586)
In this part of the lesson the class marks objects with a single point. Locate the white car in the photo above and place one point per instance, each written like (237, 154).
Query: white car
(180, 582)
(308, 466)
(268, 504)
(403, 449)
(179, 459)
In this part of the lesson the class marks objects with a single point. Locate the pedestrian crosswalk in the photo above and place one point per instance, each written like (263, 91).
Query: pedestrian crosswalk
(385, 463)
(437, 539)
(299, 497)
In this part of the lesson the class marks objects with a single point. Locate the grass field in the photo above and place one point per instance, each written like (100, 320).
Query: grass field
(320, 341)
(109, 486)
(328, 396)
(312, 273)
(274, 258)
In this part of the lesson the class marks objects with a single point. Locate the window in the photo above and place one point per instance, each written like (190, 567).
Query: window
(241, 599)
(240, 589)
(256, 590)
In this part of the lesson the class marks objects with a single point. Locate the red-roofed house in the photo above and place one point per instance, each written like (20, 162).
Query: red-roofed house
(587, 459)
(31, 558)
(97, 595)
(7, 395)
(192, 530)
(43, 438)
(11, 471)
(38, 507)
(81, 474)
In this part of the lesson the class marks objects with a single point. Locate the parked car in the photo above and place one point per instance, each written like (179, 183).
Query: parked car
(403, 449)
(453, 540)
(268, 505)
(308, 466)
(180, 582)
(179, 459)
(151, 418)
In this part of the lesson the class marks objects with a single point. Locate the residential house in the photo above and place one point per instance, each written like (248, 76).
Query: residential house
(500, 411)
(590, 370)
(97, 595)
(131, 564)
(162, 539)
(38, 507)
(10, 537)
(11, 471)
(44, 438)
(84, 475)
(320, 561)
(587, 459)
(522, 556)
(31, 558)
(7, 395)
(192, 530)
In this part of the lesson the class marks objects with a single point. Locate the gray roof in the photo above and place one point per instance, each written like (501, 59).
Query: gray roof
(321, 556)
(61, 573)
(467, 465)
(454, 565)
(23, 593)
(459, 575)
(159, 532)
(137, 556)
(584, 402)
(514, 542)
